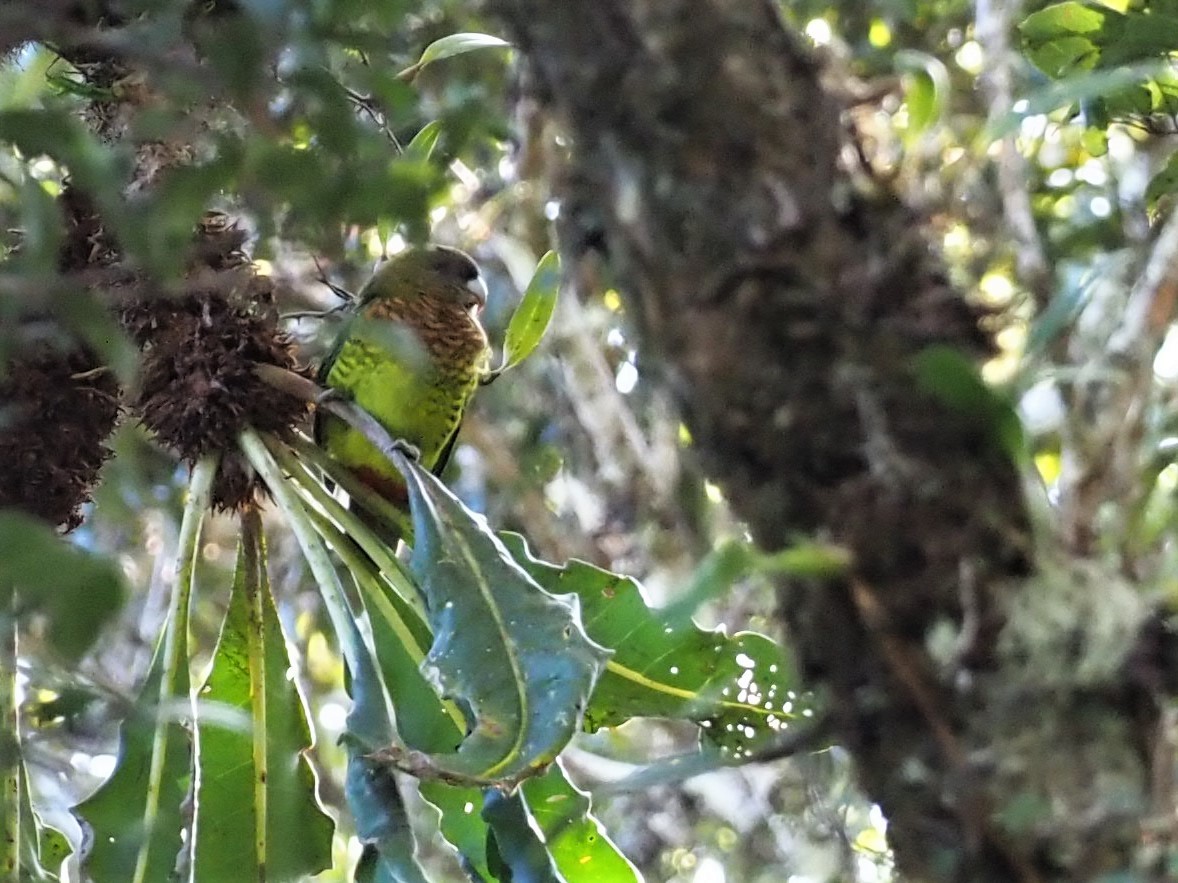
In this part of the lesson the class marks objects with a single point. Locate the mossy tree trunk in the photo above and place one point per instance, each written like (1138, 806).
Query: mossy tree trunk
(789, 307)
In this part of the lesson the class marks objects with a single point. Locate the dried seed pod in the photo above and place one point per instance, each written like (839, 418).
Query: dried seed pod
(57, 407)
(197, 388)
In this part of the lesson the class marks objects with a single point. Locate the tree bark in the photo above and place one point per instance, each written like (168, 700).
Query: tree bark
(801, 320)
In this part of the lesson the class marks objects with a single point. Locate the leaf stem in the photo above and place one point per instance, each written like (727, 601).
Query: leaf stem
(10, 778)
(387, 563)
(200, 490)
(376, 726)
(339, 611)
(255, 585)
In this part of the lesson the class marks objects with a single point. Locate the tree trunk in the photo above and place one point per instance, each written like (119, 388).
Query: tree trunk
(999, 700)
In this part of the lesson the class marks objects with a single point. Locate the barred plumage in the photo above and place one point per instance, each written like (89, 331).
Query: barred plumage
(411, 355)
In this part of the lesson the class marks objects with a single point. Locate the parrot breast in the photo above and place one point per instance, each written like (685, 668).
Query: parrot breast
(413, 363)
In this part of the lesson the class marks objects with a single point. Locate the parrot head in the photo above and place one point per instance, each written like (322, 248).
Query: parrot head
(434, 271)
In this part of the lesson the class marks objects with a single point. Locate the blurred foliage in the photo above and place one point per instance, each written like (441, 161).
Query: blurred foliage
(338, 131)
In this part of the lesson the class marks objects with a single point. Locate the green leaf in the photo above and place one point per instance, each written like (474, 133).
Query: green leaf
(60, 135)
(733, 560)
(951, 378)
(1095, 141)
(578, 844)
(516, 853)
(11, 771)
(807, 560)
(458, 44)
(374, 799)
(531, 317)
(1063, 310)
(423, 143)
(372, 795)
(483, 606)
(92, 320)
(126, 816)
(740, 689)
(670, 771)
(712, 577)
(29, 850)
(1066, 37)
(137, 817)
(41, 223)
(1086, 89)
(76, 591)
(1137, 37)
(54, 848)
(23, 85)
(402, 639)
(259, 813)
(161, 224)
(382, 824)
(927, 88)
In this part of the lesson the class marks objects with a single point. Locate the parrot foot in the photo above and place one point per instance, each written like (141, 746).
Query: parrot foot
(409, 449)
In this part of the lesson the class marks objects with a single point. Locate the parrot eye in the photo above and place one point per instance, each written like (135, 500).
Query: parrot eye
(476, 294)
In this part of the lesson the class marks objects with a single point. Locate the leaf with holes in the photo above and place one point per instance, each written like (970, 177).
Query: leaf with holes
(740, 689)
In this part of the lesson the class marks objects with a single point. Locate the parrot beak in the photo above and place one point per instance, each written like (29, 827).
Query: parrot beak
(477, 290)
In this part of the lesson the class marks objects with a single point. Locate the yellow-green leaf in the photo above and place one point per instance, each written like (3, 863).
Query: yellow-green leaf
(531, 317)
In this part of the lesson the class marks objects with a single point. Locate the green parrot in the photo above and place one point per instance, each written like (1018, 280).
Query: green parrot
(411, 354)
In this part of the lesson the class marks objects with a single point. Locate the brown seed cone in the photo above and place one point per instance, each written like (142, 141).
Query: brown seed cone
(197, 388)
(56, 410)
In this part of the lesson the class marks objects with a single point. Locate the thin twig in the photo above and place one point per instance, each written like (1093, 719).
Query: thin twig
(1107, 450)
(992, 28)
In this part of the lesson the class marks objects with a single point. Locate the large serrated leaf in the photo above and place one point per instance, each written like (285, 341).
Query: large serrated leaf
(136, 820)
(516, 655)
(258, 809)
(402, 639)
(577, 843)
(739, 688)
(423, 722)
(125, 817)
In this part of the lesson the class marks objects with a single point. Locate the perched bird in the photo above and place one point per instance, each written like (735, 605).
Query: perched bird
(411, 354)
